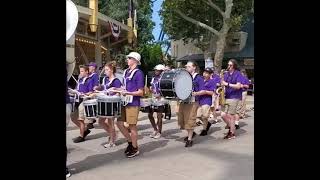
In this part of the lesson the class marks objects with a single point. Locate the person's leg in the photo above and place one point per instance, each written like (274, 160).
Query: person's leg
(124, 130)
(132, 119)
(190, 121)
(153, 123)
(159, 122)
(134, 135)
(102, 123)
(112, 130)
(232, 111)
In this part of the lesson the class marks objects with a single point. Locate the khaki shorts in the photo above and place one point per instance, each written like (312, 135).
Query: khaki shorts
(187, 115)
(79, 113)
(231, 106)
(68, 113)
(129, 114)
(203, 111)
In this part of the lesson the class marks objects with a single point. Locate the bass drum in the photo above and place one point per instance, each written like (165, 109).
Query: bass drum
(176, 84)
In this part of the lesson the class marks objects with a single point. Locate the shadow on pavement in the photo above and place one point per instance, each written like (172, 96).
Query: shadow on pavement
(95, 161)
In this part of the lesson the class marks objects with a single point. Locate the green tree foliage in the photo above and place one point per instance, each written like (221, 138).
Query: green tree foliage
(210, 17)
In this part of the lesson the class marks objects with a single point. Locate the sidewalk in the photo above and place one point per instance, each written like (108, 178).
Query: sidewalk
(211, 157)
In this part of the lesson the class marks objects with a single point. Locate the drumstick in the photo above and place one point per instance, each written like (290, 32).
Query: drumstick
(116, 91)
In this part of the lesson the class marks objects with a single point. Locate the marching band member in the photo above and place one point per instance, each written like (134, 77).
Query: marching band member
(156, 94)
(134, 85)
(232, 82)
(84, 88)
(95, 78)
(205, 100)
(68, 111)
(108, 82)
(215, 100)
(188, 110)
(241, 109)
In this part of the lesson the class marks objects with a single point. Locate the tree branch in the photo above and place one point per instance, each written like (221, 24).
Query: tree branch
(214, 6)
(197, 22)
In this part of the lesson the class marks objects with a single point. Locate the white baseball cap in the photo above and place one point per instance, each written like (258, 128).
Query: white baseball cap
(159, 67)
(136, 56)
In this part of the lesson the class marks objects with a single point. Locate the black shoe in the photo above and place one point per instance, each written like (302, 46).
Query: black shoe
(188, 143)
(68, 174)
(129, 148)
(90, 126)
(133, 152)
(203, 133)
(186, 138)
(237, 126)
(78, 139)
(208, 126)
(86, 132)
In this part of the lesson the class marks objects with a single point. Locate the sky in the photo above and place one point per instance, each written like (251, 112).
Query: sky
(156, 18)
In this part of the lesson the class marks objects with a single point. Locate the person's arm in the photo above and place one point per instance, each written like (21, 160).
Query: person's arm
(203, 92)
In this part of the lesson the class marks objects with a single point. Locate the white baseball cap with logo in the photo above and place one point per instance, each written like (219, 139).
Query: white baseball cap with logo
(136, 56)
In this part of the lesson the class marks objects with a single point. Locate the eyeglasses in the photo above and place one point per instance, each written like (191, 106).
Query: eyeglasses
(230, 65)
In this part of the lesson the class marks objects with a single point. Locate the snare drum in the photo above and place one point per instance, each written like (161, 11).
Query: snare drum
(176, 84)
(90, 108)
(158, 105)
(145, 105)
(109, 106)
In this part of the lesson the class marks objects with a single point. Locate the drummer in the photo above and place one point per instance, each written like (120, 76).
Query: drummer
(156, 95)
(188, 109)
(133, 89)
(84, 88)
(108, 82)
(93, 75)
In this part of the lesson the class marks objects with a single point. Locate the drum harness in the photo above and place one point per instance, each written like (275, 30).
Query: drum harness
(127, 99)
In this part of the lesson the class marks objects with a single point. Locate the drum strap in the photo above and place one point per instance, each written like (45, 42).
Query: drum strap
(85, 79)
(130, 77)
(194, 75)
(110, 82)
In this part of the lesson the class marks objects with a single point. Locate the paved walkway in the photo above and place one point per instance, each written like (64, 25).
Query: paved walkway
(210, 158)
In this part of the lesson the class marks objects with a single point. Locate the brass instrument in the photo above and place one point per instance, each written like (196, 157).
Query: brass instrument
(221, 90)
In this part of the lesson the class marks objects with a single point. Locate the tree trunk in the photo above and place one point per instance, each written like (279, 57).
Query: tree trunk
(218, 57)
(221, 42)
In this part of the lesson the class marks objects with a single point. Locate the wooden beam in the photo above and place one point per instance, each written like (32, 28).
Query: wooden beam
(120, 41)
(86, 36)
(105, 35)
(83, 54)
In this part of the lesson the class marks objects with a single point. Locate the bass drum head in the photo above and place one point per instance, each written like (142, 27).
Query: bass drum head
(183, 84)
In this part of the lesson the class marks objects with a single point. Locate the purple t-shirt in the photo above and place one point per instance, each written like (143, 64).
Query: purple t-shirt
(115, 83)
(198, 84)
(245, 81)
(216, 79)
(134, 84)
(95, 78)
(209, 85)
(155, 85)
(234, 78)
(85, 85)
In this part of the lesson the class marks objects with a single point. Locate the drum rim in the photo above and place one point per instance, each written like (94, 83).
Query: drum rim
(177, 71)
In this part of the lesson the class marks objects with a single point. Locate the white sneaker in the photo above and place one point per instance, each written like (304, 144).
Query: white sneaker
(109, 145)
(153, 134)
(157, 136)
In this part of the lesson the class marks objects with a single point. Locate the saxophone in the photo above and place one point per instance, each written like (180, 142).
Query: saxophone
(221, 90)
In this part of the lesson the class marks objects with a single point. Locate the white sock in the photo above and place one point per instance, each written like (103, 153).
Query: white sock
(236, 122)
